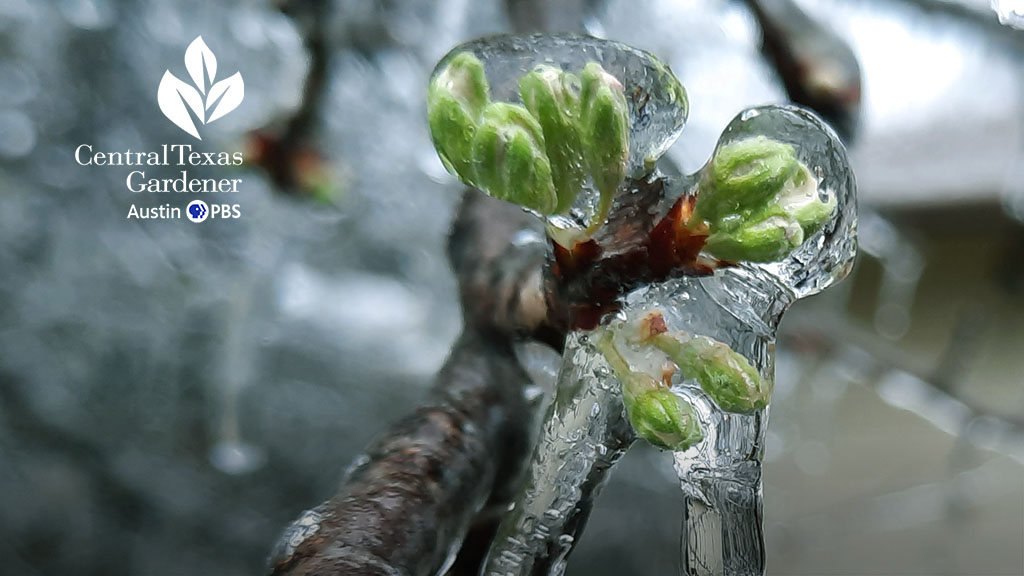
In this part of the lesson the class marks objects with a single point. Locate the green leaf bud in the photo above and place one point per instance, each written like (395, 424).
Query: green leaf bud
(729, 378)
(656, 414)
(664, 419)
(766, 240)
(456, 98)
(745, 175)
(604, 125)
(509, 160)
(552, 97)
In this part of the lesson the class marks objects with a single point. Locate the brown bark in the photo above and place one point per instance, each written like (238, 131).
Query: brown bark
(410, 502)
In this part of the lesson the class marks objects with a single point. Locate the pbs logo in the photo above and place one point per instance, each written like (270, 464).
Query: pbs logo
(198, 211)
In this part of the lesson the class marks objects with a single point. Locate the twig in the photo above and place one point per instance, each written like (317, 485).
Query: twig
(408, 506)
(639, 244)
(498, 252)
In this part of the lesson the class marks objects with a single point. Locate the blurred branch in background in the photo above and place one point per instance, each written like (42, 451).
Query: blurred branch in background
(817, 68)
(288, 149)
(989, 14)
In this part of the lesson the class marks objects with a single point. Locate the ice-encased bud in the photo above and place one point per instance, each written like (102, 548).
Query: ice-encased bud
(456, 98)
(552, 97)
(759, 201)
(769, 233)
(662, 418)
(604, 122)
(508, 158)
(657, 101)
(655, 412)
(743, 176)
(818, 199)
(724, 374)
(655, 106)
(756, 240)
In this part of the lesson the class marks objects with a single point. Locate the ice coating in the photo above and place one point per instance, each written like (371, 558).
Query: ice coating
(586, 432)
(658, 107)
(583, 436)
(721, 476)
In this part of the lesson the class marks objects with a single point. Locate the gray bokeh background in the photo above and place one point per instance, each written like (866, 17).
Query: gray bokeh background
(172, 394)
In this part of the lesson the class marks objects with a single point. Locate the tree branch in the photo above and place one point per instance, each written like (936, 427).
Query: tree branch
(408, 506)
(498, 251)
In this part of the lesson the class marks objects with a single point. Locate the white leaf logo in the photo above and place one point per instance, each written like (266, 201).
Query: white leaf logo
(207, 100)
(226, 94)
(172, 96)
(198, 56)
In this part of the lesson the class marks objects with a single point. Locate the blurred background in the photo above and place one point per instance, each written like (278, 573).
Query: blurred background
(172, 394)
